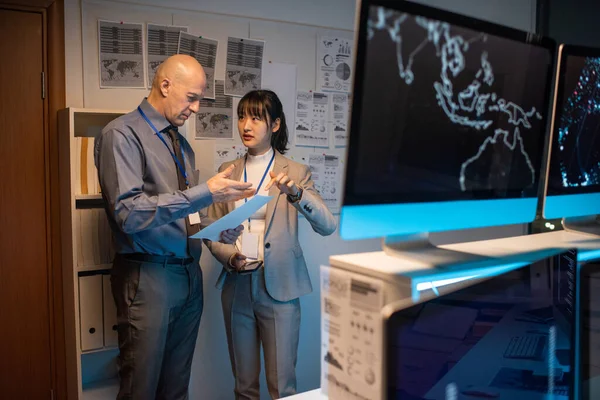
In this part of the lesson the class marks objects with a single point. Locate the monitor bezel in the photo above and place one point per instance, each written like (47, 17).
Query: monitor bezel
(350, 197)
(587, 201)
(391, 309)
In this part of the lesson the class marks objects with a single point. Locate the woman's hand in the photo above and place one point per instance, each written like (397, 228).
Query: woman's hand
(283, 183)
(237, 261)
(230, 236)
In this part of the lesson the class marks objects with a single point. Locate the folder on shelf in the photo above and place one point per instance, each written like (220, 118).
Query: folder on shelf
(86, 176)
(94, 238)
(86, 238)
(90, 312)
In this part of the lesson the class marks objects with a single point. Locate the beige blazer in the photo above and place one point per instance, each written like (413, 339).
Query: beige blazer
(286, 275)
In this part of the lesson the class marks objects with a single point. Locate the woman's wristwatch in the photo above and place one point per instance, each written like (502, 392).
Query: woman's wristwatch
(295, 198)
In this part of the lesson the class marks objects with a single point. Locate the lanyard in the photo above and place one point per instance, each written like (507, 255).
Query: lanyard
(261, 180)
(181, 168)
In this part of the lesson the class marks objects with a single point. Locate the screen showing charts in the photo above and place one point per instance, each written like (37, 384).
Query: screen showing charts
(503, 338)
(575, 157)
(445, 111)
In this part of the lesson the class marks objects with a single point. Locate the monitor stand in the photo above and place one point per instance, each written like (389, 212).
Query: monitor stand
(589, 224)
(418, 247)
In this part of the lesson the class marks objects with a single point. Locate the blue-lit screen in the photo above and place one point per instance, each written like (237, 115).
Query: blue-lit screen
(444, 112)
(575, 158)
(503, 338)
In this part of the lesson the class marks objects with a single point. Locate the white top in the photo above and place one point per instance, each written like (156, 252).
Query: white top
(255, 169)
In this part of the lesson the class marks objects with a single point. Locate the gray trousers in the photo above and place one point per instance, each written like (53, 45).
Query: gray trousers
(253, 317)
(158, 311)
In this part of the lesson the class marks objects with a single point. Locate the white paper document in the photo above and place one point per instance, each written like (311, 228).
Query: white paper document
(351, 335)
(339, 106)
(326, 174)
(214, 120)
(243, 69)
(161, 43)
(121, 55)
(205, 51)
(233, 219)
(312, 114)
(227, 152)
(334, 64)
(281, 78)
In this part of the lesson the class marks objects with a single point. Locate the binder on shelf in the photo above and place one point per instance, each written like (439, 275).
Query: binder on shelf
(97, 240)
(86, 238)
(95, 245)
(86, 176)
(90, 312)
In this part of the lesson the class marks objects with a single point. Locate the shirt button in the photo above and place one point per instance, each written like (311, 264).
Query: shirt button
(267, 245)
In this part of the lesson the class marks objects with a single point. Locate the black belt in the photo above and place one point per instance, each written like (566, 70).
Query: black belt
(141, 257)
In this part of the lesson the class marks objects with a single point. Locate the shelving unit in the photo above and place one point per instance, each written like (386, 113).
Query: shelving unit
(89, 308)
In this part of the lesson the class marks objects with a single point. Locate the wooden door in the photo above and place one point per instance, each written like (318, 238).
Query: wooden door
(25, 358)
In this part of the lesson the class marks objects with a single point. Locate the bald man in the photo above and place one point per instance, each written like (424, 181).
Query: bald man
(152, 198)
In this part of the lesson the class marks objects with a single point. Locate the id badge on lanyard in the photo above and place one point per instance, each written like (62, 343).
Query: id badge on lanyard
(250, 240)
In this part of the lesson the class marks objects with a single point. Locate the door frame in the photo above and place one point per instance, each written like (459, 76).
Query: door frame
(53, 33)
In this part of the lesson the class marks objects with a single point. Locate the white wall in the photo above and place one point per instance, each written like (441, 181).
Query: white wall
(290, 28)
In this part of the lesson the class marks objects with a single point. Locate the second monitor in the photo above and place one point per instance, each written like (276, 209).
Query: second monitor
(573, 184)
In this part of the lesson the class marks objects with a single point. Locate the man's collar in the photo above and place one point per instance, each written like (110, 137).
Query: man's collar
(159, 121)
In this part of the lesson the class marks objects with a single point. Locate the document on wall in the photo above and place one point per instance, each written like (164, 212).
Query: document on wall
(233, 219)
(227, 152)
(340, 118)
(326, 175)
(334, 64)
(312, 114)
(162, 43)
(281, 78)
(214, 120)
(121, 55)
(205, 51)
(351, 335)
(243, 68)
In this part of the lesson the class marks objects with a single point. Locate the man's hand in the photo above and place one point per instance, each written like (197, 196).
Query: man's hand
(237, 261)
(283, 183)
(231, 235)
(224, 189)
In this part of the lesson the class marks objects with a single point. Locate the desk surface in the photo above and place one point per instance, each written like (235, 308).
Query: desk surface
(310, 395)
(505, 254)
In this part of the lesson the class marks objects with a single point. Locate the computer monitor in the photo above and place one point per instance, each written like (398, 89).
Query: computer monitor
(589, 330)
(573, 182)
(448, 122)
(491, 339)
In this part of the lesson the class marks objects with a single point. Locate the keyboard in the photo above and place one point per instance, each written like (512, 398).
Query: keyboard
(529, 347)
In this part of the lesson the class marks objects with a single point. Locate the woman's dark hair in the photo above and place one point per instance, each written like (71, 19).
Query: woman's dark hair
(265, 105)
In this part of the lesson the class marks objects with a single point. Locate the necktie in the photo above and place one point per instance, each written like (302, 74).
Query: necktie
(174, 135)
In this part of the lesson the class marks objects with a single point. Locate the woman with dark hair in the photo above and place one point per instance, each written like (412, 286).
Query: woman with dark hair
(265, 273)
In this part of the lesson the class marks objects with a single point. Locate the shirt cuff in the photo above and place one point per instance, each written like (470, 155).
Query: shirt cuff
(199, 196)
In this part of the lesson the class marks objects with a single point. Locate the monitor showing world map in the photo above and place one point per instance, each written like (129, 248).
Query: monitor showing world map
(446, 108)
